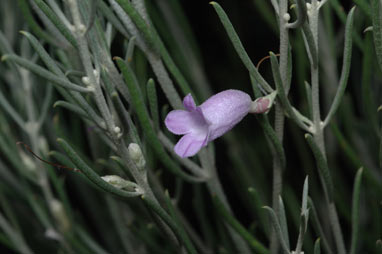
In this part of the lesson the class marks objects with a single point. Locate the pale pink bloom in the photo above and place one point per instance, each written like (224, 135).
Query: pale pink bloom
(204, 123)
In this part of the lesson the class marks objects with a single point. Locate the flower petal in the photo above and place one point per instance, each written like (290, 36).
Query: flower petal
(176, 121)
(182, 122)
(189, 103)
(224, 110)
(190, 144)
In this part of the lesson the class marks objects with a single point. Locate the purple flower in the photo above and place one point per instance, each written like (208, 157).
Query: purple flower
(204, 123)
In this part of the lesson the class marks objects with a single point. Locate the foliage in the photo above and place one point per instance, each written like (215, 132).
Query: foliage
(88, 166)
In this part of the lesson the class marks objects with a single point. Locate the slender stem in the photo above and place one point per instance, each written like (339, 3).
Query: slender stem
(277, 173)
(79, 32)
(279, 116)
(100, 99)
(319, 134)
(32, 130)
(334, 221)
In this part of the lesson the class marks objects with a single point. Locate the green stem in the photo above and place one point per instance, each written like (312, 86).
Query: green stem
(182, 236)
(254, 243)
(215, 189)
(355, 211)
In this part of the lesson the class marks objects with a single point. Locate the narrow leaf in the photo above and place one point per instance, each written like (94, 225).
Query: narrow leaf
(35, 27)
(139, 22)
(355, 211)
(377, 28)
(318, 228)
(304, 204)
(323, 169)
(277, 228)
(310, 44)
(92, 17)
(110, 16)
(364, 6)
(345, 66)
(281, 93)
(317, 247)
(239, 47)
(157, 45)
(130, 50)
(56, 21)
(268, 129)
(44, 73)
(91, 174)
(283, 222)
(71, 107)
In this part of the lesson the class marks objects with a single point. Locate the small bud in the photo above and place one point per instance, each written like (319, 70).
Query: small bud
(86, 80)
(117, 130)
(263, 104)
(308, 6)
(286, 17)
(119, 182)
(136, 155)
(96, 73)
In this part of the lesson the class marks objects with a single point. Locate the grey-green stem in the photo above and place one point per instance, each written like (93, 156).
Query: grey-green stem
(279, 115)
(319, 134)
(32, 131)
